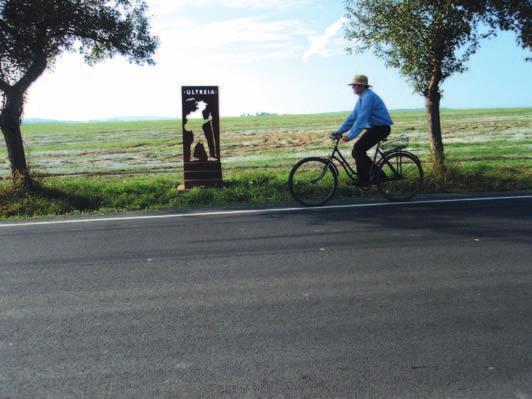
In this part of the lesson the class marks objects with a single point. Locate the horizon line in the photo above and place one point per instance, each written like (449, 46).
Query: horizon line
(144, 118)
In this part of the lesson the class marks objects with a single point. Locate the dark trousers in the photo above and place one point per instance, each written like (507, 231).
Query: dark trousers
(368, 139)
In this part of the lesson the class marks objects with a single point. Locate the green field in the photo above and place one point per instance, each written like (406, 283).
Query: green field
(119, 164)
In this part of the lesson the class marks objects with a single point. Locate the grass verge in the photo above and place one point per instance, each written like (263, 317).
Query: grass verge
(73, 196)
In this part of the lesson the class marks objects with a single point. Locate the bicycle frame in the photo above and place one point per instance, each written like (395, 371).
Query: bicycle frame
(350, 171)
(387, 166)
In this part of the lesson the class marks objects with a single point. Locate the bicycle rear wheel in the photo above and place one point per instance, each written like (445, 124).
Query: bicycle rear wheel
(312, 182)
(403, 176)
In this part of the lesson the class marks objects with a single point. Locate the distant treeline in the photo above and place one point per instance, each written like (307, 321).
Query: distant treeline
(258, 114)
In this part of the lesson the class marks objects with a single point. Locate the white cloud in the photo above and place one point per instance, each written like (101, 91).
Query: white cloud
(239, 39)
(234, 31)
(232, 49)
(321, 44)
(219, 52)
(254, 36)
(174, 5)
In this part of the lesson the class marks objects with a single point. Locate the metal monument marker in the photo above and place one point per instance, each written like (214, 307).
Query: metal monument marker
(201, 136)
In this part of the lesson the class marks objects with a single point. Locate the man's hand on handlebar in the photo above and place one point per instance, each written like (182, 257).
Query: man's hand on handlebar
(338, 135)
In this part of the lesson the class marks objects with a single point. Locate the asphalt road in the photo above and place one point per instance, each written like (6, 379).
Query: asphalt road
(426, 300)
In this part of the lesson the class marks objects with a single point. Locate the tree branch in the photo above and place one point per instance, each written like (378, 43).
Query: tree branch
(34, 71)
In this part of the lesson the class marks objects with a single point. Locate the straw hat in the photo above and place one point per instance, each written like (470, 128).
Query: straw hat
(360, 80)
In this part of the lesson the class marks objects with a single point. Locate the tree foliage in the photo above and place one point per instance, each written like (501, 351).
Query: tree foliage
(506, 15)
(33, 33)
(430, 40)
(414, 35)
(417, 35)
(31, 29)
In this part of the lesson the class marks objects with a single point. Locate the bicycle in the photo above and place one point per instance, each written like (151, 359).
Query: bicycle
(396, 173)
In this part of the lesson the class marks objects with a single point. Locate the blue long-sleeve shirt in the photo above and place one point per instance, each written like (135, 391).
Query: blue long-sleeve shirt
(369, 111)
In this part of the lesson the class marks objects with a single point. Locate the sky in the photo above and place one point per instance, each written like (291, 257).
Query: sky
(277, 56)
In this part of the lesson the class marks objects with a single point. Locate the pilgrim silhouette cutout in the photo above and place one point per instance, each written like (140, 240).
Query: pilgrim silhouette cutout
(199, 123)
(200, 153)
(201, 137)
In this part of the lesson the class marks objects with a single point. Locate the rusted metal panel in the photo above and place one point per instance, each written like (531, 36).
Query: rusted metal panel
(201, 136)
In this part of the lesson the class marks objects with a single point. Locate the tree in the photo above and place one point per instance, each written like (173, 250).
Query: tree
(509, 15)
(430, 40)
(33, 33)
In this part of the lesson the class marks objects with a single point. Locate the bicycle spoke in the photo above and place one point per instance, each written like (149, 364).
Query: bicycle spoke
(403, 176)
(312, 182)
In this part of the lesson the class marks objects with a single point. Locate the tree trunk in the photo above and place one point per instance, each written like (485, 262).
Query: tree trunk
(432, 106)
(10, 120)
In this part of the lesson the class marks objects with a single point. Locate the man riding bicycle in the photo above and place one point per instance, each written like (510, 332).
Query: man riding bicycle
(370, 114)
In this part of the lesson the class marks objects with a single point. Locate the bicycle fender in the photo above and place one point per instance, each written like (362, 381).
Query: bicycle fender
(333, 166)
(335, 169)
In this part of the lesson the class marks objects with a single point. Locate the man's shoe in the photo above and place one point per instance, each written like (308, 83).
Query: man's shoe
(363, 183)
(380, 177)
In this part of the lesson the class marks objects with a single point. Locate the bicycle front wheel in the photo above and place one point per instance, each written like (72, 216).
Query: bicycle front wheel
(402, 178)
(312, 182)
